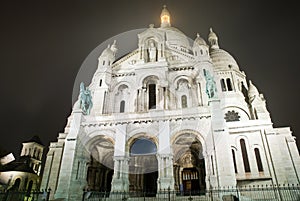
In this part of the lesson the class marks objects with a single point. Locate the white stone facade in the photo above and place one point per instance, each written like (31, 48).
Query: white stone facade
(208, 131)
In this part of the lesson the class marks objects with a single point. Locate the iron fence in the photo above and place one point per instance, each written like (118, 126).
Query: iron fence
(34, 195)
(244, 193)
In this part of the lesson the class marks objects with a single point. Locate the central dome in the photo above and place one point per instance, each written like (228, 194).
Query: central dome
(175, 37)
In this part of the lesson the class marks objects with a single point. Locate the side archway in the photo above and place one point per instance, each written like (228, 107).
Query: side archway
(100, 167)
(189, 163)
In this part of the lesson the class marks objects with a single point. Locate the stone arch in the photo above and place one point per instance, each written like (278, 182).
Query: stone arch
(119, 84)
(150, 79)
(90, 135)
(134, 137)
(193, 132)
(121, 93)
(100, 165)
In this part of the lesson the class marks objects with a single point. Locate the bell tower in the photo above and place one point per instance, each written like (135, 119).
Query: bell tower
(34, 148)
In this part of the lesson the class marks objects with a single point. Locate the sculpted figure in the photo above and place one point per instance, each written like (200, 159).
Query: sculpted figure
(211, 89)
(152, 52)
(85, 99)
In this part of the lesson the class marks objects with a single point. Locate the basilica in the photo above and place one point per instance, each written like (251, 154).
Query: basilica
(171, 114)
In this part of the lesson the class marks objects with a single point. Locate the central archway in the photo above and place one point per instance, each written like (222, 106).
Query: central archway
(143, 167)
(189, 164)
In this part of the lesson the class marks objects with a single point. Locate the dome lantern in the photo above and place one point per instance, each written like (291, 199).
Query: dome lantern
(165, 17)
(213, 39)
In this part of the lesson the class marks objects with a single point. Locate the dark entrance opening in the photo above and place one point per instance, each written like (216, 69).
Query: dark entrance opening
(190, 179)
(150, 186)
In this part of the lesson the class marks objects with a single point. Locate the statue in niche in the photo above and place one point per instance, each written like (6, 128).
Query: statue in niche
(85, 99)
(211, 89)
(152, 52)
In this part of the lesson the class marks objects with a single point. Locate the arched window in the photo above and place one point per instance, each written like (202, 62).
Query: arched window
(103, 63)
(183, 101)
(245, 155)
(152, 96)
(34, 153)
(143, 146)
(229, 85)
(223, 86)
(122, 106)
(195, 53)
(100, 83)
(258, 160)
(234, 161)
(16, 185)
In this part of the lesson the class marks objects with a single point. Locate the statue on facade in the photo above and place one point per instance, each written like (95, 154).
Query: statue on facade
(211, 89)
(152, 52)
(85, 99)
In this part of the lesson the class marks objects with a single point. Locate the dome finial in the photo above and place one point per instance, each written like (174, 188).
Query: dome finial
(213, 39)
(165, 17)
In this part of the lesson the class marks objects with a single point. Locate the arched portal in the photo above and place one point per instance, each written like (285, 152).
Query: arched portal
(143, 167)
(189, 164)
(100, 166)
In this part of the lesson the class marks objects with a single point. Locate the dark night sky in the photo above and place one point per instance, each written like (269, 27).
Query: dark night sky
(43, 44)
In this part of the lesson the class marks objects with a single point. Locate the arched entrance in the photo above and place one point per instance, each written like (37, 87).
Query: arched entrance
(100, 166)
(189, 164)
(143, 167)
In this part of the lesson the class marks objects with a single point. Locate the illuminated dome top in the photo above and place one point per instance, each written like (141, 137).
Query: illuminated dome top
(173, 35)
(165, 17)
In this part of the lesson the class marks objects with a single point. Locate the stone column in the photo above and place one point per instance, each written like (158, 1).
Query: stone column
(199, 93)
(120, 181)
(165, 158)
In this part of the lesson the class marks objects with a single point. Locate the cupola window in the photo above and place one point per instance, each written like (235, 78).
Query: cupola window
(229, 85)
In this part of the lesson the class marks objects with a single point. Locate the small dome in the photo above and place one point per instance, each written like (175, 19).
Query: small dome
(212, 34)
(199, 40)
(222, 60)
(252, 91)
(107, 52)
